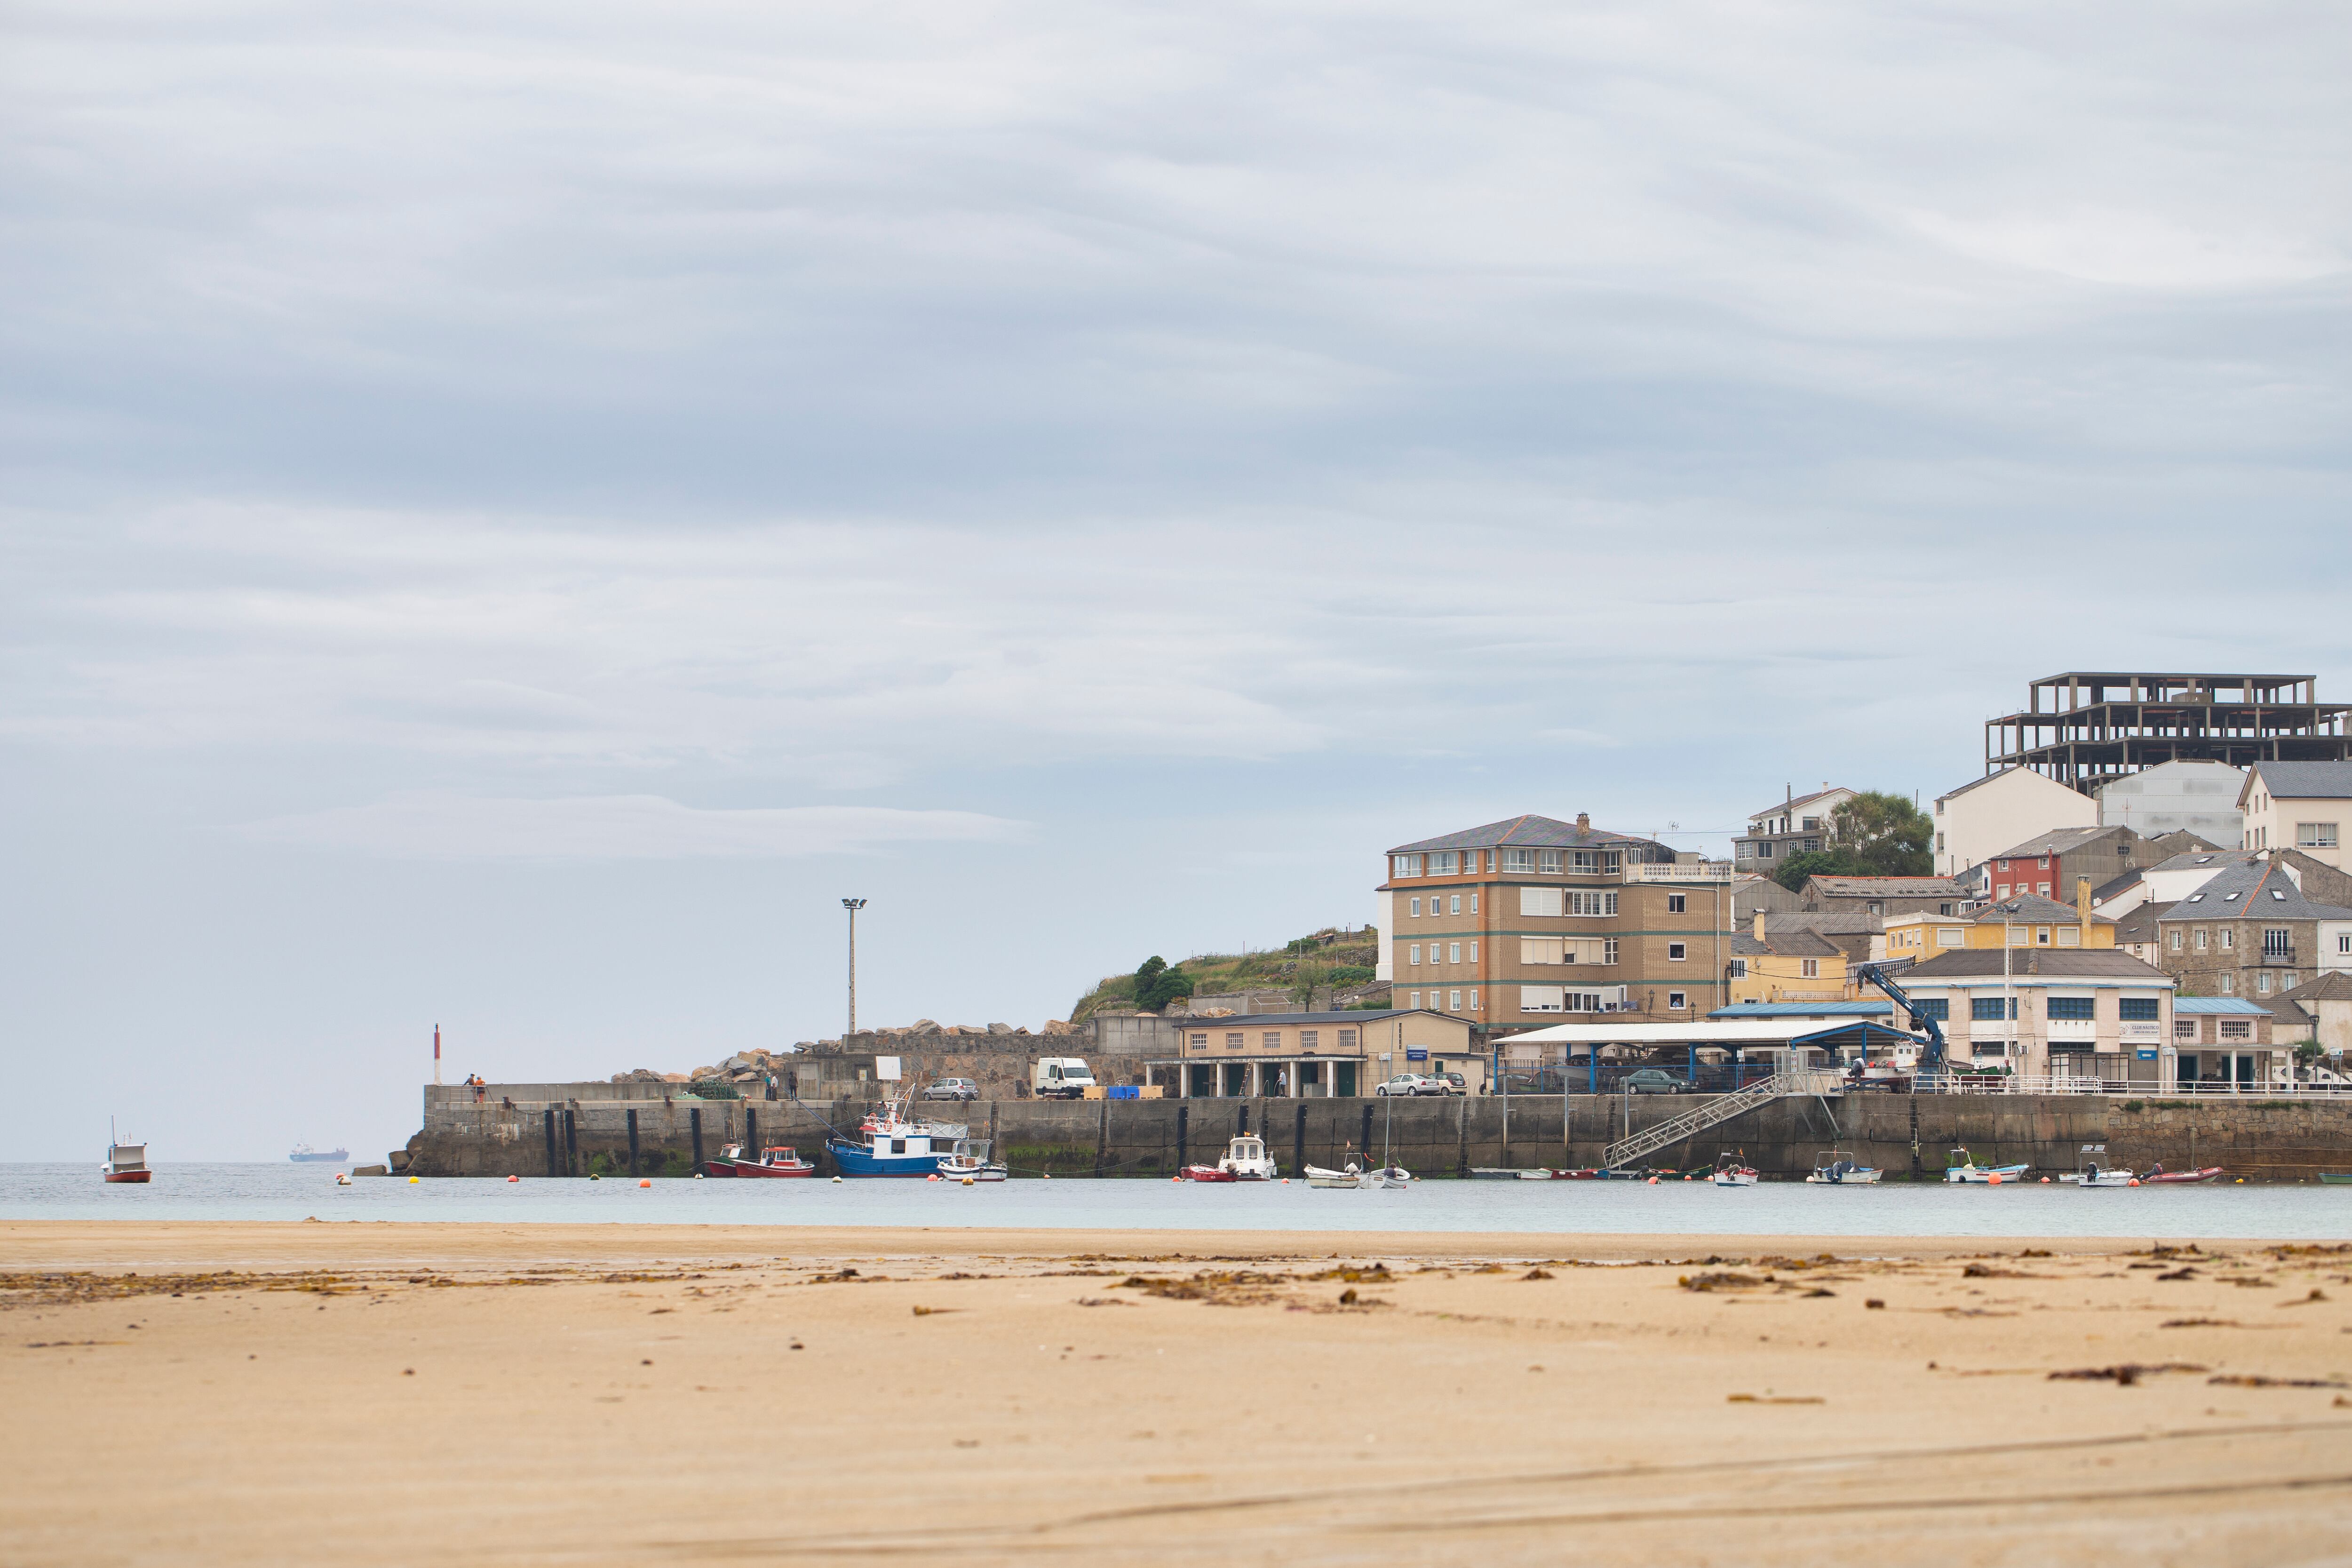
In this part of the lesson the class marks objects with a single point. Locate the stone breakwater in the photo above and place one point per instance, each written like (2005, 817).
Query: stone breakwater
(574, 1130)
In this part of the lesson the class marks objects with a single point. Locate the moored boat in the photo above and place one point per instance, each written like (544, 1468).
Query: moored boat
(1207, 1174)
(1836, 1168)
(1969, 1171)
(2157, 1175)
(124, 1161)
(1733, 1171)
(1352, 1178)
(777, 1159)
(1246, 1160)
(2094, 1171)
(892, 1147)
(968, 1162)
(304, 1154)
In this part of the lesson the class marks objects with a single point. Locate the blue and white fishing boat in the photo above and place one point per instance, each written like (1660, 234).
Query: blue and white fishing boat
(892, 1146)
(1965, 1169)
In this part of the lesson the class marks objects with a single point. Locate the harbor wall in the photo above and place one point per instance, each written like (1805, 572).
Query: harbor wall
(2261, 1140)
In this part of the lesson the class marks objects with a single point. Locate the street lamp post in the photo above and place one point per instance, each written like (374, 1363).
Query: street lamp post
(2009, 1054)
(852, 906)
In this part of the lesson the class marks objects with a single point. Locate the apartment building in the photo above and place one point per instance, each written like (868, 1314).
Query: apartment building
(1976, 821)
(1800, 965)
(2059, 1012)
(2251, 931)
(2197, 796)
(1797, 826)
(1515, 923)
(2049, 864)
(2298, 806)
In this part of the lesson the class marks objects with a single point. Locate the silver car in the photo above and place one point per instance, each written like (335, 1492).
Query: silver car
(952, 1089)
(1409, 1083)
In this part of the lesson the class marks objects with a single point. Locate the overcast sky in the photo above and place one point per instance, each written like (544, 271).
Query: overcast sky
(513, 510)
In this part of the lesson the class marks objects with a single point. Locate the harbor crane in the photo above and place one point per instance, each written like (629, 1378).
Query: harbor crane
(1933, 1063)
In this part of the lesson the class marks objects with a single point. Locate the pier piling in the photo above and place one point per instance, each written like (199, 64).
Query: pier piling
(632, 1143)
(694, 1125)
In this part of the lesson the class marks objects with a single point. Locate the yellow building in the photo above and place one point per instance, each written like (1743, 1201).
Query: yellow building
(1787, 966)
(2027, 921)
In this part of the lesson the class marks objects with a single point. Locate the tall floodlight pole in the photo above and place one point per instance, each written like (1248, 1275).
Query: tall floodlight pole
(852, 906)
(2010, 1054)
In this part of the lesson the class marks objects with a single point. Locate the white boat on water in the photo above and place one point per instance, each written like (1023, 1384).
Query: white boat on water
(1733, 1171)
(2094, 1172)
(1359, 1179)
(1246, 1160)
(1969, 1171)
(1836, 1168)
(969, 1162)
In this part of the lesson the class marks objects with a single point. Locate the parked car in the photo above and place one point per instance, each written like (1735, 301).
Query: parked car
(1653, 1080)
(1409, 1083)
(1451, 1082)
(952, 1088)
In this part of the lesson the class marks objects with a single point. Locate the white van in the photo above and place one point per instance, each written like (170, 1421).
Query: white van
(1060, 1077)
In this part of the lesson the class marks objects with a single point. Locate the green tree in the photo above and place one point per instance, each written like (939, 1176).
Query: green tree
(1884, 835)
(1793, 871)
(1310, 976)
(1156, 984)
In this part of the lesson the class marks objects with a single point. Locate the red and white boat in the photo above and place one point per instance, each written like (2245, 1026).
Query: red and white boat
(1207, 1174)
(2158, 1175)
(124, 1161)
(775, 1161)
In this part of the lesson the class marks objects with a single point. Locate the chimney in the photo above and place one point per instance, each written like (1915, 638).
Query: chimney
(1583, 822)
(2083, 908)
(1760, 925)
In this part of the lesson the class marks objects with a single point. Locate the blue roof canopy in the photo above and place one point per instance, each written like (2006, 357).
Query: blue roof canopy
(2237, 1004)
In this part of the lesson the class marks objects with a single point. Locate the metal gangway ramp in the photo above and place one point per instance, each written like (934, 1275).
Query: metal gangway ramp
(1720, 1109)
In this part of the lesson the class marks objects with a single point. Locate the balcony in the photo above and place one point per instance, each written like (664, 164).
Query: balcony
(2278, 957)
(1702, 871)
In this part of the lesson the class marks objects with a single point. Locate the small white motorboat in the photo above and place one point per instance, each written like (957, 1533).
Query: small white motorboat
(968, 1162)
(1350, 1179)
(1246, 1160)
(1733, 1171)
(2094, 1172)
(1969, 1171)
(1388, 1176)
(1836, 1168)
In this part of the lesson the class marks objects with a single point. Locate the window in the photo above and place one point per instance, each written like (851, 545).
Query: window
(1234, 1040)
(1590, 903)
(1877, 908)
(1676, 903)
(2176, 941)
(1540, 949)
(2228, 939)
(1813, 846)
(1347, 1039)
(2263, 982)
(1676, 1002)
(2070, 936)
(1950, 936)
(2071, 1009)
(1455, 1004)
(2000, 865)
(1474, 903)
(2315, 835)
(1810, 824)
(1988, 1009)
(2184, 1029)
(1764, 849)
(1454, 952)
(1539, 901)
(1547, 860)
(2344, 942)
(2002, 891)
(1812, 968)
(1474, 1001)
(2136, 1009)
(2044, 890)
(1936, 1007)
(1939, 838)
(1608, 950)
(1444, 862)
(1490, 859)
(1676, 952)
(1473, 953)
(1414, 904)
(1737, 969)
(2198, 941)
(1413, 953)
(1415, 1000)
(2228, 983)
(1200, 1042)
(1271, 1039)
(1518, 859)
(1542, 999)
(1405, 865)
(1453, 905)
(2237, 1028)
(1309, 1039)
(2277, 942)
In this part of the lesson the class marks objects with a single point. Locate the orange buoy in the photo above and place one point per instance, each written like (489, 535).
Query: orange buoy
(1994, 1180)
(646, 1183)
(932, 1178)
(1653, 1181)
(514, 1178)
(2045, 1181)
(2133, 1182)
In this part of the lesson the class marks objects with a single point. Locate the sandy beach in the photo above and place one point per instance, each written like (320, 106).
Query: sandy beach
(415, 1393)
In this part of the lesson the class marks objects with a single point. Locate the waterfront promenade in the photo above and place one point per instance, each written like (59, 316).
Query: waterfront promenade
(525, 1393)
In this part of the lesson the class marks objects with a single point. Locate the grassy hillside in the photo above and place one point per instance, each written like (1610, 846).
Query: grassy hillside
(1342, 960)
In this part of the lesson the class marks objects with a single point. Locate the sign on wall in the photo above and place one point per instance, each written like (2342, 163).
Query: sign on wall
(1416, 1054)
(886, 1068)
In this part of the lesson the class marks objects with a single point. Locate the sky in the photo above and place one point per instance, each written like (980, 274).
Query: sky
(513, 510)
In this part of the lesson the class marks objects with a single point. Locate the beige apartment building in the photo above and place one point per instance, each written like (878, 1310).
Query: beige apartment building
(2299, 805)
(1529, 922)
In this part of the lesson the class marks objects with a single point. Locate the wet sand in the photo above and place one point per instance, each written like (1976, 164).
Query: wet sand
(581, 1394)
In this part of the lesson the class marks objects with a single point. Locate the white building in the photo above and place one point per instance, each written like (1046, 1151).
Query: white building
(2200, 797)
(1978, 820)
(2298, 806)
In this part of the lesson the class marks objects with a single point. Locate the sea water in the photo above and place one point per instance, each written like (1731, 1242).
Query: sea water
(284, 1190)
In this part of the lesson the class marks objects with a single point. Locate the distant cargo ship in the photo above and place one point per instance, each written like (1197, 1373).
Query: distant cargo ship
(304, 1154)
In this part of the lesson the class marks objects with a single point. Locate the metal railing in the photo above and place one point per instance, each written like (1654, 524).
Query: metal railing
(1721, 1109)
(1706, 871)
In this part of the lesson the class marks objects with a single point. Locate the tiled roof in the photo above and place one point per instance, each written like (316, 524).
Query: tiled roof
(1246, 1020)
(1887, 887)
(1786, 944)
(1803, 800)
(2305, 781)
(1829, 922)
(2057, 841)
(2251, 890)
(2033, 908)
(2113, 886)
(2237, 1006)
(1532, 832)
(2335, 986)
(2037, 962)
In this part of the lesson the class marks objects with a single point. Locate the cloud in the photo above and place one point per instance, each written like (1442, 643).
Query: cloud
(615, 827)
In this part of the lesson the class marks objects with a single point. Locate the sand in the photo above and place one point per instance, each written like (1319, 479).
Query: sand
(414, 1393)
